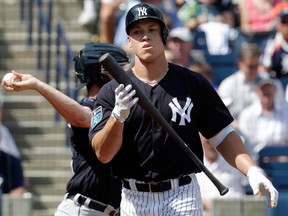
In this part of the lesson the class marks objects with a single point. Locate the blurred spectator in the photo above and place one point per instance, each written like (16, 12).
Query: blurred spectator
(237, 89)
(179, 3)
(108, 17)
(88, 16)
(211, 17)
(179, 46)
(12, 174)
(11, 170)
(229, 176)
(257, 23)
(204, 69)
(196, 12)
(99, 18)
(265, 122)
(167, 7)
(275, 57)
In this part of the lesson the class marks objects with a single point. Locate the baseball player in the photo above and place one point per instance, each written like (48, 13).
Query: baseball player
(92, 190)
(158, 178)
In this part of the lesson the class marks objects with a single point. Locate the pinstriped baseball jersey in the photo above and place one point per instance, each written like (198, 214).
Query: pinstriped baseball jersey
(148, 153)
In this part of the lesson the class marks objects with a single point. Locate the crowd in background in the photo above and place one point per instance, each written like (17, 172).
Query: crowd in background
(255, 31)
(226, 24)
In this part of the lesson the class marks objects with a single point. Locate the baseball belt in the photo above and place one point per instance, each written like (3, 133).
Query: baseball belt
(93, 204)
(157, 186)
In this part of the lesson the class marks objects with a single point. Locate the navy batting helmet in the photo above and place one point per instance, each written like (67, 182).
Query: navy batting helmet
(87, 66)
(146, 11)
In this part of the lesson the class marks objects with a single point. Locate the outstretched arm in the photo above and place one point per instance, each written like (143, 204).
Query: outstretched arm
(68, 108)
(233, 150)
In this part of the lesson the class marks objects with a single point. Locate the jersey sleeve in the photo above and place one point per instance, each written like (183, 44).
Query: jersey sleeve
(214, 114)
(103, 107)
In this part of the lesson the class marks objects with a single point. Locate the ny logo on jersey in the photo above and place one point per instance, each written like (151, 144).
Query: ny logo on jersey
(176, 108)
(142, 11)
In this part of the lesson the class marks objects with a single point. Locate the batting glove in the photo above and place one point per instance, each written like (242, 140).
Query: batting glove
(261, 185)
(123, 102)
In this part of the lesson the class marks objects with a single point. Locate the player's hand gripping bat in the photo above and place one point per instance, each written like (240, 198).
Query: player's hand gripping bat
(110, 64)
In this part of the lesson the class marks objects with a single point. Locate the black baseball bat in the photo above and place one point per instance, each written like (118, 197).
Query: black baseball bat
(110, 64)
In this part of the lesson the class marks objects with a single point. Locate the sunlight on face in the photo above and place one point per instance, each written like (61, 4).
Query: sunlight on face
(145, 28)
(145, 38)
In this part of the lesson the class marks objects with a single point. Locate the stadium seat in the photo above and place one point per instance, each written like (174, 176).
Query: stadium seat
(282, 207)
(222, 66)
(274, 161)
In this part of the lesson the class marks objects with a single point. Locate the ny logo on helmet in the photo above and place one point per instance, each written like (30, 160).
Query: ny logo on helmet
(142, 11)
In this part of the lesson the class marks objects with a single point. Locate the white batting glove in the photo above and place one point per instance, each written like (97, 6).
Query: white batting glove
(261, 185)
(123, 102)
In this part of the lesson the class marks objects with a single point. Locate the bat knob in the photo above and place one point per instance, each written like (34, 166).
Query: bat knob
(224, 191)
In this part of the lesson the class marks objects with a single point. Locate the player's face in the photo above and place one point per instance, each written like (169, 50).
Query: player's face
(145, 39)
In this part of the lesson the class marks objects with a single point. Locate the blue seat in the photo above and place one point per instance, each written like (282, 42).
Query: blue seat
(222, 66)
(274, 161)
(282, 207)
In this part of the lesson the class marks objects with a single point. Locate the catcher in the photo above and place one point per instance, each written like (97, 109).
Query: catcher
(91, 190)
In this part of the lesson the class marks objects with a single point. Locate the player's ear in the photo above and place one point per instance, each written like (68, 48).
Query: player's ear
(129, 41)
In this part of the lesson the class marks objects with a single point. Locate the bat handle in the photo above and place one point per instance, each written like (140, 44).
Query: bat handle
(220, 187)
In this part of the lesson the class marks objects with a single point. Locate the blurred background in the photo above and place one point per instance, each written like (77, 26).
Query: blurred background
(39, 38)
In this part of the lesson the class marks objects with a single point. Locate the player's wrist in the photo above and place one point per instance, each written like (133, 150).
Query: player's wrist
(255, 170)
(120, 113)
(118, 118)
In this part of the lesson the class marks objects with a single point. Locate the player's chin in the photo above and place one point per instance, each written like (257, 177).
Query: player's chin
(147, 57)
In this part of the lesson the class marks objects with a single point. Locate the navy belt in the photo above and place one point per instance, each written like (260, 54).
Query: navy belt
(93, 204)
(157, 186)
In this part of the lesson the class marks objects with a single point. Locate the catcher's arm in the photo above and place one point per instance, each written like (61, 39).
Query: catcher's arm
(68, 108)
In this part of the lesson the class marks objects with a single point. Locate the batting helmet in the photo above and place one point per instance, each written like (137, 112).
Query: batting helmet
(87, 66)
(146, 11)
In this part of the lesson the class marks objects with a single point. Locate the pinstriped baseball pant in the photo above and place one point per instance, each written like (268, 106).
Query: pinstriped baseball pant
(184, 200)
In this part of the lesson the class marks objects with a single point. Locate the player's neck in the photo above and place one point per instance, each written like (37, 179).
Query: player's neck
(150, 78)
(150, 73)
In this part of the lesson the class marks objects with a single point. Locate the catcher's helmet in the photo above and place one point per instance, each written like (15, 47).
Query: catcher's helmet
(87, 66)
(145, 11)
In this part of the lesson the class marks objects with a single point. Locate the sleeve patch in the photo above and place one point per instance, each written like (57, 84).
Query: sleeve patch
(96, 116)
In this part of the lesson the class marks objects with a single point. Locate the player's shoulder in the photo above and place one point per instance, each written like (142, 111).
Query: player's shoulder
(186, 74)
(87, 101)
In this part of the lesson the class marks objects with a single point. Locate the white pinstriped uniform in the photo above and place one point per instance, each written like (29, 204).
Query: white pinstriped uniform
(148, 154)
(176, 201)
